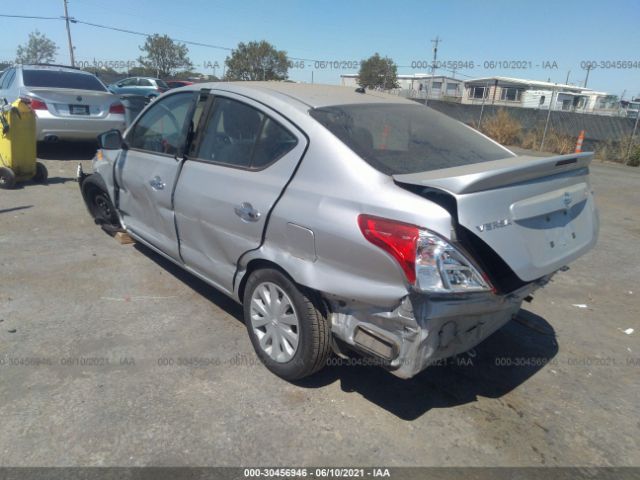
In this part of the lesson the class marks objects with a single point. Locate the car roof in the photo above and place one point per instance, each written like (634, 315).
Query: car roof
(142, 76)
(57, 68)
(305, 94)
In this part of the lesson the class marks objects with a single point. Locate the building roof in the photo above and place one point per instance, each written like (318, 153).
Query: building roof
(413, 76)
(531, 83)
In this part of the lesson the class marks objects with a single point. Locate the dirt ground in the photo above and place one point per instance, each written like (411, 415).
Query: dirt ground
(109, 355)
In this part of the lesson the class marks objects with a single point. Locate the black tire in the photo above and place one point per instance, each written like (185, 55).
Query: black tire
(99, 203)
(42, 174)
(7, 178)
(314, 334)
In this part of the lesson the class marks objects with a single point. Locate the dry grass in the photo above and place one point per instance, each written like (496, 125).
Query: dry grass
(502, 127)
(618, 151)
(506, 130)
(553, 142)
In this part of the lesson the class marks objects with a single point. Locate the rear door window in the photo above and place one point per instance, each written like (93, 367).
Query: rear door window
(62, 79)
(143, 82)
(239, 135)
(274, 142)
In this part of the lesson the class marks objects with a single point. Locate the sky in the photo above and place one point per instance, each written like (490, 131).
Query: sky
(551, 39)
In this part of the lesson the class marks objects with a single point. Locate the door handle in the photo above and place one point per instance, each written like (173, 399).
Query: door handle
(247, 213)
(157, 183)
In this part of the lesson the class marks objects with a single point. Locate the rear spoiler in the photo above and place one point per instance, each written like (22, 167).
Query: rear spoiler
(496, 173)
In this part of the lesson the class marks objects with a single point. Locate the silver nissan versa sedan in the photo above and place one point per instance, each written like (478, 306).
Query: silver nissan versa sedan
(343, 220)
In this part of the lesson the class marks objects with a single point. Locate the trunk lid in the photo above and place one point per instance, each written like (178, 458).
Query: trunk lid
(537, 214)
(64, 102)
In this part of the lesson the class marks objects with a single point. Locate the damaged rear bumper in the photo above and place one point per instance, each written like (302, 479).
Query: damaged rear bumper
(425, 329)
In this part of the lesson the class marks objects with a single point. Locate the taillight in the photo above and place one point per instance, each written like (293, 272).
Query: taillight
(37, 104)
(396, 238)
(442, 268)
(117, 108)
(429, 262)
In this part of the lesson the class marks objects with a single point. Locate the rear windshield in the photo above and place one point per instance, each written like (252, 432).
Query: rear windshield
(397, 139)
(60, 79)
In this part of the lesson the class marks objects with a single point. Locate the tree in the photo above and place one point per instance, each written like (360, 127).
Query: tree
(257, 61)
(106, 74)
(39, 49)
(378, 72)
(164, 56)
(142, 72)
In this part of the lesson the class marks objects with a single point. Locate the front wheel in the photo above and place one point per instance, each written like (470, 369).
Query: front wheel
(286, 325)
(99, 203)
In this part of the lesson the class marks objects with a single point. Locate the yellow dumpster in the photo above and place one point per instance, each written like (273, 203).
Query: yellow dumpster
(18, 146)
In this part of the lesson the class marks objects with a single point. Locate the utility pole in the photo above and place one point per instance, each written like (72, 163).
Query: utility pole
(566, 82)
(484, 95)
(546, 124)
(435, 42)
(587, 77)
(66, 17)
(633, 134)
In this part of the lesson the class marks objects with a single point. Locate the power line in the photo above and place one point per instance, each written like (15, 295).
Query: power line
(187, 42)
(143, 34)
(133, 32)
(30, 16)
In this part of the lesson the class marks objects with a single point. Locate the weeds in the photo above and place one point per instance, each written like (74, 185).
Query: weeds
(502, 127)
(505, 129)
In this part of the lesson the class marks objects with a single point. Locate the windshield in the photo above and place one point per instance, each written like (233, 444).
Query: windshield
(397, 138)
(61, 79)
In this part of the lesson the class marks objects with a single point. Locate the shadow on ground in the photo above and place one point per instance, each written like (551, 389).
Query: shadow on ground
(15, 209)
(498, 365)
(67, 150)
(204, 289)
(495, 367)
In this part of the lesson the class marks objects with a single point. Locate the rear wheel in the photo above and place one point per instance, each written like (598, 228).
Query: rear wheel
(286, 325)
(42, 174)
(7, 178)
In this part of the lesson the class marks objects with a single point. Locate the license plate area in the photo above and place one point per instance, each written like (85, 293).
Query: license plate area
(79, 109)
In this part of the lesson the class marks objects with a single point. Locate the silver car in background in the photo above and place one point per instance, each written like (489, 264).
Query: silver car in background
(343, 220)
(69, 104)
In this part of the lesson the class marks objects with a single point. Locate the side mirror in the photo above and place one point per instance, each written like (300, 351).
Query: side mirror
(111, 140)
(119, 84)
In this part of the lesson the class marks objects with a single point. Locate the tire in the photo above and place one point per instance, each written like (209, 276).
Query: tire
(42, 174)
(7, 178)
(311, 328)
(99, 203)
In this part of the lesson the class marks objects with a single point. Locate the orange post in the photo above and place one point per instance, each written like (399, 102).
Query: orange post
(579, 142)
